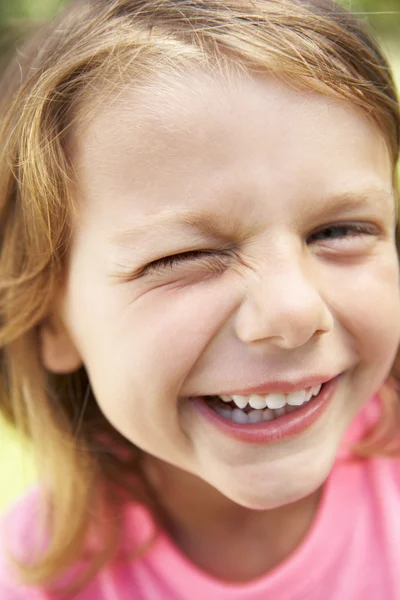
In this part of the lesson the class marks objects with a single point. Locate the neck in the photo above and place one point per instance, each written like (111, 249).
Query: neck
(226, 540)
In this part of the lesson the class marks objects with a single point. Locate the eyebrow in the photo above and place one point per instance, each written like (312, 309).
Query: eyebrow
(162, 222)
(209, 225)
(353, 200)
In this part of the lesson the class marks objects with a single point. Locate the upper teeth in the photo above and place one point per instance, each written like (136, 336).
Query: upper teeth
(273, 400)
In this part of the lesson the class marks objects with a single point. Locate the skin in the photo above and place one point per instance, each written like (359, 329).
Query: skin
(271, 166)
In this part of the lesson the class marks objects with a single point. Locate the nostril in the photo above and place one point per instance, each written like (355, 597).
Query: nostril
(320, 332)
(287, 320)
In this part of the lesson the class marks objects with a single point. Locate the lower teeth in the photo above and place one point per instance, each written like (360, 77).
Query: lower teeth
(238, 415)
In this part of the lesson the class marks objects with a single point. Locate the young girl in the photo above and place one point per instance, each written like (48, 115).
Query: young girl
(200, 309)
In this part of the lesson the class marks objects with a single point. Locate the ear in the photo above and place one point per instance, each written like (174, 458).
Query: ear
(57, 351)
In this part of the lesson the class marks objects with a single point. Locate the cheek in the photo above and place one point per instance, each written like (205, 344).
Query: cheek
(366, 303)
(141, 356)
(151, 343)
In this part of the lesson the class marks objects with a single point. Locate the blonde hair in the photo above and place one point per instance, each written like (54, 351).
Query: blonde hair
(95, 46)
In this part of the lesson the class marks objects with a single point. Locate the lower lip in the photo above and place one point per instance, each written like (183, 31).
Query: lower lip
(268, 432)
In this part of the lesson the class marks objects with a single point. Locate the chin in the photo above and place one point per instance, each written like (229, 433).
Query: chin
(269, 499)
(277, 491)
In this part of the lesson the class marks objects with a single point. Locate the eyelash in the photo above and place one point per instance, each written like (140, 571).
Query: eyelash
(175, 259)
(172, 261)
(355, 229)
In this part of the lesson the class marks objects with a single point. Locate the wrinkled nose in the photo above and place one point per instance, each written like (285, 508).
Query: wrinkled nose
(282, 305)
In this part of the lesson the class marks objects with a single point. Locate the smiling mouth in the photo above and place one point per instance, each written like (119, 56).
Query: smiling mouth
(257, 408)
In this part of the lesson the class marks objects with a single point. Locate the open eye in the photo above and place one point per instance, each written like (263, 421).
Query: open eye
(345, 230)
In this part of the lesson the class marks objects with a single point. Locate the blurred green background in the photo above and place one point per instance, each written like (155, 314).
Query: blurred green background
(17, 470)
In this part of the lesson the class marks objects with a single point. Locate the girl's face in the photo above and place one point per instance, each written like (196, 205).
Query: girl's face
(284, 199)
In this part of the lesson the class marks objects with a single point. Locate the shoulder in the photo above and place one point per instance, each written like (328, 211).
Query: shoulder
(17, 539)
(373, 485)
(20, 534)
(385, 475)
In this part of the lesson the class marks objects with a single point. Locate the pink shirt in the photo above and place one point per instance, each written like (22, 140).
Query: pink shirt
(352, 551)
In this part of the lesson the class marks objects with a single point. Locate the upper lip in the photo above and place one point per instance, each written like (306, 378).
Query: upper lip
(283, 387)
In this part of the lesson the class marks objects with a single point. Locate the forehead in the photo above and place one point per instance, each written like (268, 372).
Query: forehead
(167, 105)
(186, 137)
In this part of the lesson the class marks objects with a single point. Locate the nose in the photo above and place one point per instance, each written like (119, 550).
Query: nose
(282, 305)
